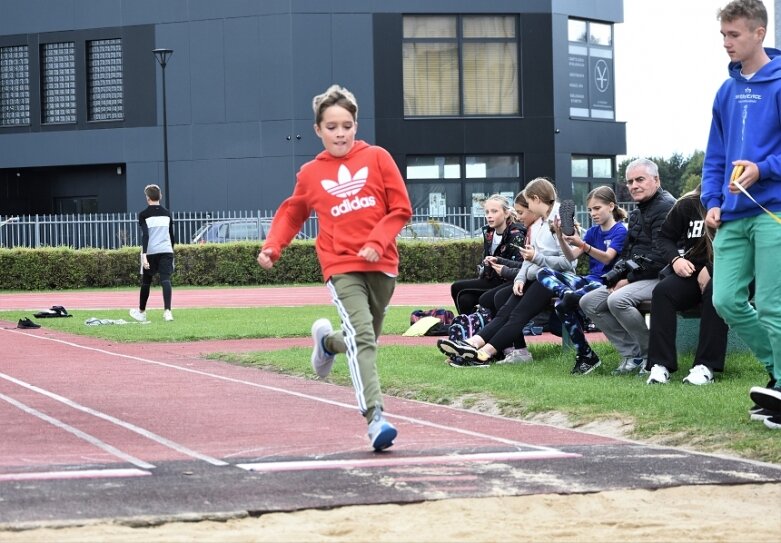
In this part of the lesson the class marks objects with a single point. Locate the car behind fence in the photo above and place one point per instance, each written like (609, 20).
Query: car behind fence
(115, 230)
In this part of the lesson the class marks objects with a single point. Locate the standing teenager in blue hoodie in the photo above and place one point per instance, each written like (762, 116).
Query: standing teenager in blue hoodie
(744, 148)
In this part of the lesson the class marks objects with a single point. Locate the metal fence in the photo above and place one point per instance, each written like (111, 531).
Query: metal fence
(115, 230)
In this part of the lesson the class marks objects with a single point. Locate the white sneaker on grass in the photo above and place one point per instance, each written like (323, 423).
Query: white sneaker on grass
(517, 356)
(167, 315)
(699, 375)
(138, 315)
(322, 360)
(658, 376)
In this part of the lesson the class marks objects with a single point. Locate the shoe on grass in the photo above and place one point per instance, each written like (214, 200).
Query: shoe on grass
(461, 362)
(455, 347)
(629, 365)
(769, 398)
(381, 432)
(138, 315)
(761, 414)
(322, 360)
(585, 364)
(774, 422)
(517, 356)
(168, 316)
(658, 376)
(699, 375)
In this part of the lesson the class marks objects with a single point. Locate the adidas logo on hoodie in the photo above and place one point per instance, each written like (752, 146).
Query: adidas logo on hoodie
(347, 185)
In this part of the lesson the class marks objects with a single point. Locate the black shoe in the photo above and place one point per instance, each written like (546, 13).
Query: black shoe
(586, 364)
(460, 362)
(774, 422)
(454, 348)
(768, 398)
(761, 414)
(27, 323)
(567, 217)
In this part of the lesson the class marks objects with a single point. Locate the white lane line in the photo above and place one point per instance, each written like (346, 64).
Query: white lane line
(75, 474)
(78, 433)
(128, 426)
(286, 391)
(397, 461)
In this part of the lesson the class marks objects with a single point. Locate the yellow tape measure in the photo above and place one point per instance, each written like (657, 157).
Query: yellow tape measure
(736, 172)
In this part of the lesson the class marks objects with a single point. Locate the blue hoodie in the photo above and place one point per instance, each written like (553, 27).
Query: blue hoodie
(746, 126)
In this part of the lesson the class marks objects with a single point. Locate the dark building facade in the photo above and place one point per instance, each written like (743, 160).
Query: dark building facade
(470, 98)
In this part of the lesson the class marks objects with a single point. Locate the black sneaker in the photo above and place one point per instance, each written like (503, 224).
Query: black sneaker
(768, 398)
(567, 217)
(586, 364)
(761, 414)
(774, 422)
(460, 362)
(457, 348)
(27, 324)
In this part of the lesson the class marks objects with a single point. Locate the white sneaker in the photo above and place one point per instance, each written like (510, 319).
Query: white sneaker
(167, 316)
(138, 315)
(517, 356)
(322, 360)
(659, 375)
(699, 375)
(381, 432)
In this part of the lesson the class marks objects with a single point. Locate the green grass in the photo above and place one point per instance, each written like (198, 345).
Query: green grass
(710, 418)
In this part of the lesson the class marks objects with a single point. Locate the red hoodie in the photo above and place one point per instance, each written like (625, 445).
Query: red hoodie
(360, 200)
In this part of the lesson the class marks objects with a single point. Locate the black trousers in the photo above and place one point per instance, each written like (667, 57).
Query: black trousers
(506, 328)
(673, 294)
(466, 293)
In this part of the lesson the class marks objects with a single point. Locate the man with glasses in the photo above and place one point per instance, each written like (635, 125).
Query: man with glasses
(613, 307)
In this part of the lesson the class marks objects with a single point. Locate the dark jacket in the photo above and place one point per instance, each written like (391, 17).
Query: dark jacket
(509, 249)
(642, 238)
(684, 230)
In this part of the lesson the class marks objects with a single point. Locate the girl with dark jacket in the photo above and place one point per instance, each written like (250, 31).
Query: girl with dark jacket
(685, 241)
(503, 238)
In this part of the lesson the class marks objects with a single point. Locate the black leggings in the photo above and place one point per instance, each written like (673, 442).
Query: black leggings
(146, 286)
(673, 294)
(466, 293)
(507, 326)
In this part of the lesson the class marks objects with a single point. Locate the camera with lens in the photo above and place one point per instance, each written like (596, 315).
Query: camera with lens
(622, 268)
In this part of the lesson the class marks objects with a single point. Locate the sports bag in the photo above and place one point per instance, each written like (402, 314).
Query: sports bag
(444, 315)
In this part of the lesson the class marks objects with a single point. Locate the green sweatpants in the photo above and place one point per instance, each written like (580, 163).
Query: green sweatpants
(745, 250)
(361, 299)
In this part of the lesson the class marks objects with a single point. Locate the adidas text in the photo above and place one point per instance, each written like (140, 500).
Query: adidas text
(355, 204)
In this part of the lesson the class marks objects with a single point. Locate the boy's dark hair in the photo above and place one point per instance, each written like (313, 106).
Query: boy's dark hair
(753, 11)
(152, 192)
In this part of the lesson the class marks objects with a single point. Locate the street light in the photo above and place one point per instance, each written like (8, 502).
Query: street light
(162, 56)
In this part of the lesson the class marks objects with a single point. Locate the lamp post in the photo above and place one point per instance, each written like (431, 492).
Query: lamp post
(162, 56)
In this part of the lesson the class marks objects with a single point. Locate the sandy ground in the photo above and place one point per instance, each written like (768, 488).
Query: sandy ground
(693, 513)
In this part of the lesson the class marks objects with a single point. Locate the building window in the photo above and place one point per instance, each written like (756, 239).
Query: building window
(440, 184)
(104, 80)
(58, 83)
(589, 172)
(590, 63)
(14, 86)
(460, 65)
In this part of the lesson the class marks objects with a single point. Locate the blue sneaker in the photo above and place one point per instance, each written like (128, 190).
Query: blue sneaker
(322, 360)
(381, 432)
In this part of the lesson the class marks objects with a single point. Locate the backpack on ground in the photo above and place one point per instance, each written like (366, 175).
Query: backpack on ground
(465, 326)
(444, 315)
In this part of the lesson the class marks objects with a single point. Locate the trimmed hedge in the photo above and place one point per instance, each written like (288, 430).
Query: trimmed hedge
(59, 268)
(54, 268)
